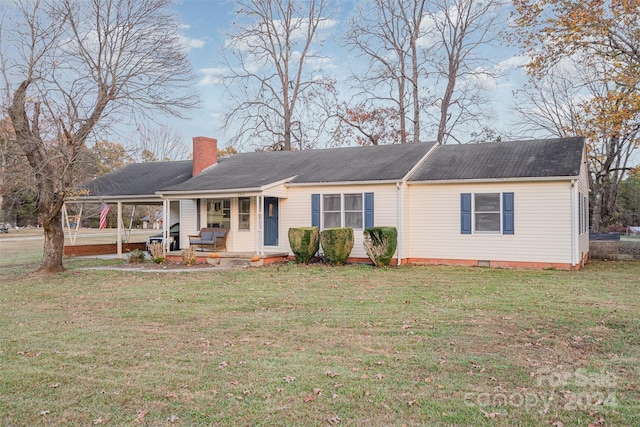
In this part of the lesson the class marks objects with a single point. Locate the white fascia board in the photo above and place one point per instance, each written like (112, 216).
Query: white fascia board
(203, 194)
(493, 180)
(342, 183)
(151, 199)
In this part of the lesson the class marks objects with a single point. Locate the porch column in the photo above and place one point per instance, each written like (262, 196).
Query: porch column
(120, 227)
(165, 220)
(260, 224)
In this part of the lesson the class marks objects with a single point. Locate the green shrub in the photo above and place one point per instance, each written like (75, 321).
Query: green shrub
(380, 244)
(337, 244)
(304, 243)
(137, 257)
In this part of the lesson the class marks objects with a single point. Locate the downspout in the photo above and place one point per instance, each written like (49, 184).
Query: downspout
(400, 186)
(574, 244)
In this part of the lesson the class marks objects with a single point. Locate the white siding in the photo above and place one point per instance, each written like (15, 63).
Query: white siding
(242, 240)
(295, 211)
(542, 213)
(583, 186)
(188, 221)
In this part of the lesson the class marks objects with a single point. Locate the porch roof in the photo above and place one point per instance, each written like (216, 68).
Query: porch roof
(138, 182)
(337, 165)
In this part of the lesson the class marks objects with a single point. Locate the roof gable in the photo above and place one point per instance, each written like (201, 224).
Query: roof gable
(544, 158)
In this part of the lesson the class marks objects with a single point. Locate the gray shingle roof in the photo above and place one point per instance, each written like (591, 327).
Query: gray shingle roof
(140, 179)
(517, 159)
(347, 164)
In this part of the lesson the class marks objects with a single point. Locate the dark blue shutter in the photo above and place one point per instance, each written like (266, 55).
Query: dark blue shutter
(507, 213)
(465, 213)
(315, 210)
(368, 210)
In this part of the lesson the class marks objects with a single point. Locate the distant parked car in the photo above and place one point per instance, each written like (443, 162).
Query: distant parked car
(4, 228)
(174, 238)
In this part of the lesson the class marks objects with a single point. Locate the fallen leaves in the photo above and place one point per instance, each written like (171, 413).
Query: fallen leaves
(140, 416)
(289, 379)
(334, 420)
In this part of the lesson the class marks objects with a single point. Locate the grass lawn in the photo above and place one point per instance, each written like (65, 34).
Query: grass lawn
(313, 345)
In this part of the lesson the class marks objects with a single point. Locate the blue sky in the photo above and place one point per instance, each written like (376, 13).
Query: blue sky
(207, 21)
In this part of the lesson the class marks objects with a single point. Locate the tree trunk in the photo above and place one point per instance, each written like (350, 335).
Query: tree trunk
(53, 244)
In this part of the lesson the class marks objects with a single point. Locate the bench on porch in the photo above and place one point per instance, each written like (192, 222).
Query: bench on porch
(210, 236)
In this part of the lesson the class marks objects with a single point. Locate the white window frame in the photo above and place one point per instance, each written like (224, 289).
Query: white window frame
(342, 210)
(244, 214)
(475, 212)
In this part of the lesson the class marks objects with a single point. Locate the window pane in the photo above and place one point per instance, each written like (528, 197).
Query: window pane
(331, 219)
(353, 202)
(331, 202)
(488, 222)
(244, 205)
(487, 202)
(244, 217)
(353, 219)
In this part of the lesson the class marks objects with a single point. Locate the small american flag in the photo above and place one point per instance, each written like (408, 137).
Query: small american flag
(104, 211)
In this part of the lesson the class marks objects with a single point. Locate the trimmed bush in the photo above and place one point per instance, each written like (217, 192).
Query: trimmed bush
(380, 244)
(337, 244)
(137, 257)
(304, 243)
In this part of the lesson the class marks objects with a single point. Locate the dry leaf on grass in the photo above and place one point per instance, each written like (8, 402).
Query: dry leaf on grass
(141, 415)
(334, 420)
(307, 399)
(491, 415)
(223, 364)
(289, 379)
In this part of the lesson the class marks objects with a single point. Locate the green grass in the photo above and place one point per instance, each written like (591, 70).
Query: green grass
(410, 345)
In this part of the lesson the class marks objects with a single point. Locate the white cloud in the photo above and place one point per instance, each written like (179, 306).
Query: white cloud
(189, 43)
(212, 76)
(510, 63)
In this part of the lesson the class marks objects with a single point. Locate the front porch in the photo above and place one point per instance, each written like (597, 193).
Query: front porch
(233, 258)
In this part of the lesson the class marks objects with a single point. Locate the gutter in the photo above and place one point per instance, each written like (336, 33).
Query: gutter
(496, 180)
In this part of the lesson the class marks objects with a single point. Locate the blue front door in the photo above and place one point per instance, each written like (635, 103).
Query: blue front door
(271, 221)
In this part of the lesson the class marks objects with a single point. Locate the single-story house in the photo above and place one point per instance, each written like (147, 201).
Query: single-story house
(504, 204)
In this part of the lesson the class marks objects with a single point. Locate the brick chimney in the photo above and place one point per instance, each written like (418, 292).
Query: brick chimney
(205, 153)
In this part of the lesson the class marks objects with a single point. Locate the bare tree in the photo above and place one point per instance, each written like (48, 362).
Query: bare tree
(71, 66)
(458, 29)
(275, 72)
(581, 102)
(386, 33)
(159, 143)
